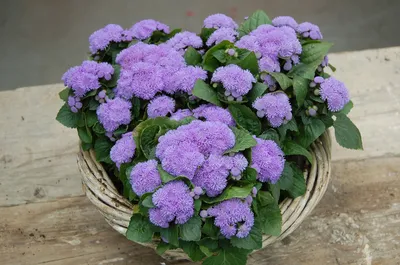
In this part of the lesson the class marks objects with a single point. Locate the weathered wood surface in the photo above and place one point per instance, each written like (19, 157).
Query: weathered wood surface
(44, 219)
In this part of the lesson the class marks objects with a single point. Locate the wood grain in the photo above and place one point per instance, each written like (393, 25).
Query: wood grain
(357, 222)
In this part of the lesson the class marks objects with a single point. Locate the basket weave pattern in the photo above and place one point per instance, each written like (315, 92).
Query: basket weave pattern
(117, 210)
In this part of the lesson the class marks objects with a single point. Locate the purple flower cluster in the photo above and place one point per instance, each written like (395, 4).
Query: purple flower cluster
(100, 39)
(309, 30)
(285, 21)
(275, 107)
(214, 113)
(185, 39)
(145, 28)
(335, 93)
(267, 160)
(113, 113)
(74, 103)
(147, 69)
(239, 164)
(222, 34)
(172, 202)
(234, 79)
(84, 78)
(180, 114)
(145, 177)
(233, 217)
(219, 21)
(123, 150)
(160, 106)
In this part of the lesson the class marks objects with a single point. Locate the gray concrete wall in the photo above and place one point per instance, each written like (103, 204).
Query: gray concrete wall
(40, 39)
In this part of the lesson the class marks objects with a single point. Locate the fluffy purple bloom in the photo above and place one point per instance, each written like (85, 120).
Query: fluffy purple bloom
(239, 164)
(180, 114)
(123, 150)
(275, 107)
(185, 39)
(284, 21)
(214, 113)
(160, 106)
(233, 217)
(249, 42)
(267, 158)
(84, 78)
(221, 35)
(100, 39)
(335, 93)
(234, 79)
(269, 64)
(184, 79)
(113, 113)
(213, 174)
(172, 202)
(145, 28)
(145, 177)
(217, 21)
(307, 29)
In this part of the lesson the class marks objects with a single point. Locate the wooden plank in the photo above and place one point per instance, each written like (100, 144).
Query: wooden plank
(357, 222)
(37, 155)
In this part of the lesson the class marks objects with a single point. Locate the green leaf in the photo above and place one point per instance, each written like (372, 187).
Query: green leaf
(299, 185)
(290, 125)
(228, 256)
(286, 179)
(314, 53)
(265, 198)
(205, 92)
(86, 147)
(162, 247)
(271, 220)
(300, 87)
(209, 243)
(221, 56)
(327, 120)
(192, 57)
(102, 148)
(93, 104)
(346, 133)
(85, 135)
(210, 229)
(243, 140)
(64, 93)
(291, 148)
(67, 118)
(135, 108)
(197, 205)
(346, 109)
(256, 19)
(249, 175)
(257, 91)
(284, 81)
(333, 68)
(191, 230)
(311, 132)
(91, 118)
(170, 234)
(252, 241)
(139, 229)
(206, 251)
(210, 63)
(165, 176)
(149, 141)
(317, 99)
(148, 201)
(114, 79)
(275, 191)
(270, 134)
(306, 71)
(231, 192)
(245, 118)
(98, 128)
(247, 60)
(206, 33)
(192, 250)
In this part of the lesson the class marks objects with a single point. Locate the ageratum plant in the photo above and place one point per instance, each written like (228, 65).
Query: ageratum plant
(206, 133)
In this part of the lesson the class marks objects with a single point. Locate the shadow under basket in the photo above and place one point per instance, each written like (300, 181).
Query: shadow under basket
(117, 210)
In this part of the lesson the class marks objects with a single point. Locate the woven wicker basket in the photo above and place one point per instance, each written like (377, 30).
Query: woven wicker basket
(117, 210)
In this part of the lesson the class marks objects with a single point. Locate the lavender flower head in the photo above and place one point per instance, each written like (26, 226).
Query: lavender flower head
(284, 21)
(100, 39)
(113, 113)
(144, 177)
(335, 93)
(239, 164)
(214, 113)
(275, 107)
(222, 34)
(267, 160)
(250, 43)
(145, 28)
(307, 29)
(160, 106)
(184, 79)
(123, 150)
(183, 40)
(180, 114)
(172, 202)
(219, 21)
(233, 217)
(84, 78)
(213, 174)
(234, 79)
